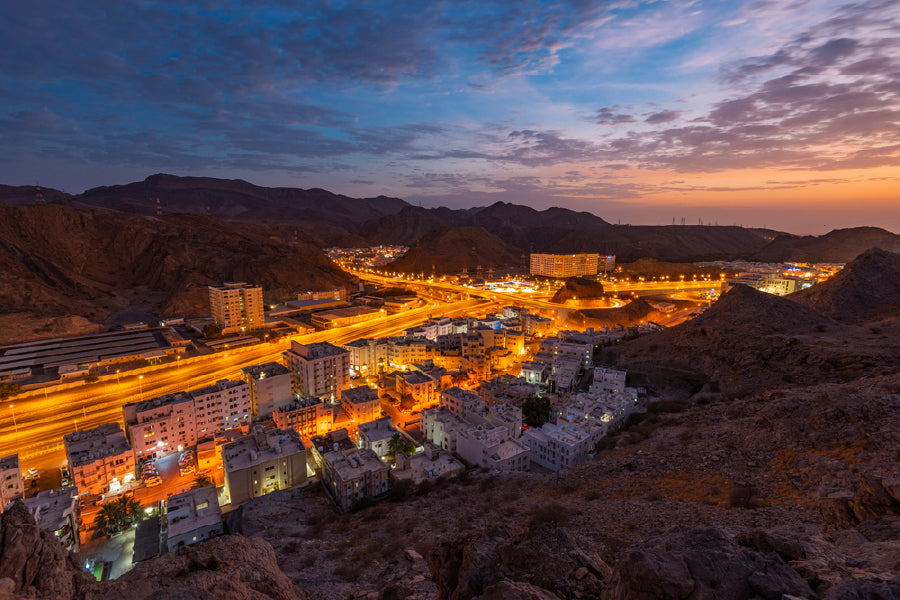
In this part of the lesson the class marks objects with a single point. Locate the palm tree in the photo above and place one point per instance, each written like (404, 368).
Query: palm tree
(201, 481)
(132, 511)
(110, 518)
(396, 444)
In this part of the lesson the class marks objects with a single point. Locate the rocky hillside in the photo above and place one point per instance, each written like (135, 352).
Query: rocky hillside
(60, 262)
(838, 246)
(238, 200)
(578, 287)
(452, 250)
(867, 288)
(26, 195)
(635, 312)
(650, 267)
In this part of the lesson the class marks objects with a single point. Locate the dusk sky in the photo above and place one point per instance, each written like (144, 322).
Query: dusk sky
(777, 113)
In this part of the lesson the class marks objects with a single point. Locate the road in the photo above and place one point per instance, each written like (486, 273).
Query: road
(43, 417)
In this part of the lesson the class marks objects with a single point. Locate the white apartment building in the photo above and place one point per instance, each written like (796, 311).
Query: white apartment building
(487, 445)
(263, 461)
(610, 381)
(353, 476)
(367, 356)
(376, 435)
(441, 427)
(271, 386)
(436, 327)
(11, 485)
(462, 402)
(309, 417)
(236, 307)
(564, 265)
(403, 351)
(557, 446)
(57, 512)
(508, 416)
(101, 459)
(361, 404)
(170, 423)
(320, 370)
(193, 516)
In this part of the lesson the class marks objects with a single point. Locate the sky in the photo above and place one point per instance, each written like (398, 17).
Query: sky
(784, 114)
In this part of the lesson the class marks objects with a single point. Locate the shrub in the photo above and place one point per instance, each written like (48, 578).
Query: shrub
(553, 513)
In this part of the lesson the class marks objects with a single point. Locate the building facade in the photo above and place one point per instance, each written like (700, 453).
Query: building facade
(263, 461)
(101, 459)
(11, 485)
(193, 516)
(354, 476)
(58, 513)
(271, 386)
(319, 370)
(236, 307)
(361, 404)
(308, 417)
(564, 265)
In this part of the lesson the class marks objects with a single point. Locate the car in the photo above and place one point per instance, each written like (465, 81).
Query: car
(153, 481)
(65, 471)
(65, 482)
(31, 473)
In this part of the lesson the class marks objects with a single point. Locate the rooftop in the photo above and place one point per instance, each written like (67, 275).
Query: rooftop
(51, 509)
(261, 445)
(415, 378)
(219, 386)
(360, 395)
(192, 510)
(86, 446)
(300, 404)
(353, 464)
(270, 369)
(314, 351)
(333, 440)
(9, 462)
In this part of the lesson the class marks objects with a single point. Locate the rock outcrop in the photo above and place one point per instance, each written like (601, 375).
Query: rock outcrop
(578, 288)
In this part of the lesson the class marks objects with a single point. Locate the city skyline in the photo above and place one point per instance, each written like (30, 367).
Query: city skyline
(778, 114)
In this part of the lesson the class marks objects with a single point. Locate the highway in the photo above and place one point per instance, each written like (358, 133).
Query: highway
(42, 417)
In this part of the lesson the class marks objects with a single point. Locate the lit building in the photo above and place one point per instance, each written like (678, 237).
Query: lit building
(361, 404)
(367, 356)
(319, 370)
(309, 417)
(101, 459)
(353, 476)
(376, 435)
(11, 486)
(57, 512)
(462, 402)
(192, 516)
(608, 380)
(236, 306)
(271, 386)
(441, 427)
(170, 423)
(341, 317)
(419, 386)
(263, 461)
(564, 265)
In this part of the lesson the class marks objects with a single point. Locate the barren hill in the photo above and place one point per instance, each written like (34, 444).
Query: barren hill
(26, 195)
(867, 288)
(238, 200)
(578, 287)
(839, 246)
(451, 250)
(635, 312)
(57, 261)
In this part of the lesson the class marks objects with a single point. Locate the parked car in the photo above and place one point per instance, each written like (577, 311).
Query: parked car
(31, 473)
(153, 481)
(65, 471)
(65, 482)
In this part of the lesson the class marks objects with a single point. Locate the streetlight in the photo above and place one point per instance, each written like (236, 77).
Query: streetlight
(117, 376)
(15, 426)
(141, 384)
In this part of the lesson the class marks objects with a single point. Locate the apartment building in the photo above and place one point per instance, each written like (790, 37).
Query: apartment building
(11, 485)
(236, 307)
(170, 423)
(353, 476)
(271, 385)
(557, 446)
(361, 404)
(333, 441)
(490, 446)
(319, 370)
(405, 351)
(309, 417)
(461, 402)
(434, 462)
(418, 386)
(193, 516)
(58, 513)
(101, 459)
(263, 461)
(376, 435)
(442, 427)
(610, 381)
(564, 265)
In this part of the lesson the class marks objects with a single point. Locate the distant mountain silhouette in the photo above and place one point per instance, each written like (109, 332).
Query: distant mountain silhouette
(840, 246)
(454, 249)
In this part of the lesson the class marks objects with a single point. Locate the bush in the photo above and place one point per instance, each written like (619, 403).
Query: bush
(549, 514)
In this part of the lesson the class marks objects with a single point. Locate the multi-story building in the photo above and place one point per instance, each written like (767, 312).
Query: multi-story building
(508, 416)
(309, 417)
(462, 402)
(263, 461)
(11, 486)
(166, 424)
(607, 380)
(361, 404)
(537, 325)
(320, 370)
(271, 385)
(354, 476)
(405, 351)
(57, 512)
(564, 265)
(419, 386)
(434, 462)
(101, 459)
(236, 306)
(487, 445)
(367, 356)
(333, 441)
(557, 446)
(442, 427)
(376, 435)
(193, 516)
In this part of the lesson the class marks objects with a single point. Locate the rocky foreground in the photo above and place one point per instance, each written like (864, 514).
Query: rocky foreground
(786, 488)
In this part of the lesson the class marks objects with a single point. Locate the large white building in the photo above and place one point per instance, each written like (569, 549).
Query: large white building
(263, 461)
(193, 516)
(271, 386)
(11, 486)
(101, 459)
(487, 445)
(462, 402)
(557, 446)
(376, 435)
(167, 424)
(319, 370)
(608, 380)
(353, 476)
(236, 307)
(57, 512)
(564, 265)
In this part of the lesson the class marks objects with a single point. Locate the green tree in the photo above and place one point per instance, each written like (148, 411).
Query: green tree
(396, 444)
(8, 390)
(201, 481)
(536, 411)
(211, 331)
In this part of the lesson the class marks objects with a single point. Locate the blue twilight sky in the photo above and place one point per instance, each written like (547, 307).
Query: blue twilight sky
(783, 113)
